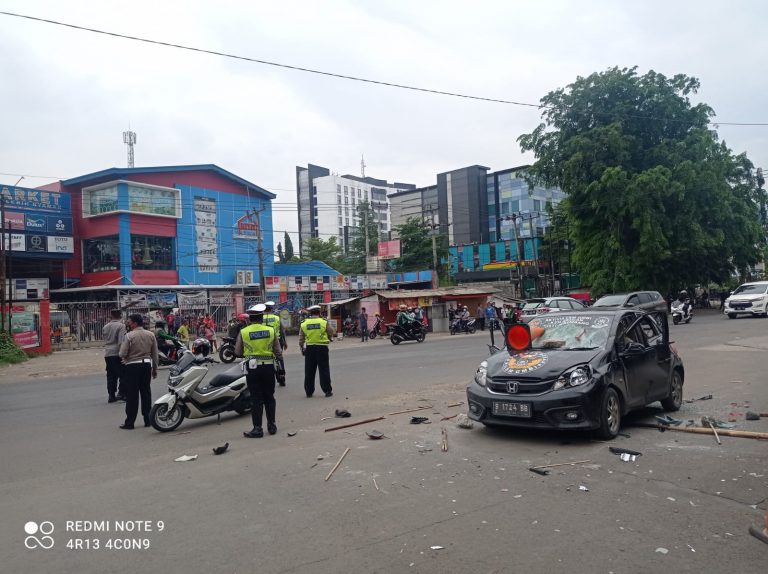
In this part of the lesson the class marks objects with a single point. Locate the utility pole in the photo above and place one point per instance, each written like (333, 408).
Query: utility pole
(2, 265)
(519, 257)
(260, 251)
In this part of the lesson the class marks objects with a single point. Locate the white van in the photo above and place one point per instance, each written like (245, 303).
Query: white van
(748, 299)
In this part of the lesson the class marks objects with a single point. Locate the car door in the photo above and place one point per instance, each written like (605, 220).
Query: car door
(658, 342)
(646, 303)
(637, 359)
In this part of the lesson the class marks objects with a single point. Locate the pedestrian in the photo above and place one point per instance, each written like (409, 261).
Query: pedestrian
(480, 316)
(490, 315)
(182, 333)
(209, 334)
(258, 344)
(139, 354)
(273, 320)
(170, 320)
(363, 322)
(113, 333)
(314, 336)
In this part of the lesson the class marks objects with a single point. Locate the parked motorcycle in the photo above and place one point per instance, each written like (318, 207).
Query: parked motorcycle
(679, 315)
(187, 397)
(171, 352)
(414, 331)
(227, 350)
(379, 328)
(350, 328)
(467, 327)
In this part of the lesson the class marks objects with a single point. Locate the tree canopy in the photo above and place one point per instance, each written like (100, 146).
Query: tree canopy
(416, 246)
(654, 199)
(288, 247)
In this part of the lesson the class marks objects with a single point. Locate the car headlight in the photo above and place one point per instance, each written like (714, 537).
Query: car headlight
(481, 373)
(574, 377)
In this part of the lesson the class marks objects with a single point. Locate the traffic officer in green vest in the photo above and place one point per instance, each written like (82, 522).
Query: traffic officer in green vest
(314, 335)
(273, 320)
(258, 344)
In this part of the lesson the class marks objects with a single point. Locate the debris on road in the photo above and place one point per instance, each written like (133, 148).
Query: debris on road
(420, 421)
(704, 398)
(320, 457)
(366, 421)
(182, 432)
(625, 453)
(700, 430)
(668, 420)
(221, 449)
(753, 416)
(716, 423)
(455, 404)
(186, 458)
(376, 485)
(662, 550)
(444, 445)
(706, 421)
(450, 417)
(291, 433)
(337, 464)
(436, 547)
(464, 422)
(584, 488)
(411, 410)
(343, 413)
(540, 468)
(374, 434)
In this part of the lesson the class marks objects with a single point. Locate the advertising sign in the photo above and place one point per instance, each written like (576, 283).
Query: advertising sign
(193, 300)
(30, 289)
(128, 302)
(35, 223)
(14, 220)
(389, 249)
(37, 243)
(205, 232)
(24, 326)
(161, 300)
(34, 199)
(60, 244)
(59, 225)
(246, 228)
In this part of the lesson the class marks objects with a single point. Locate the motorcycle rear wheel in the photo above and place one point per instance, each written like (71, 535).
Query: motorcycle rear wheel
(227, 354)
(165, 421)
(395, 339)
(471, 329)
(420, 336)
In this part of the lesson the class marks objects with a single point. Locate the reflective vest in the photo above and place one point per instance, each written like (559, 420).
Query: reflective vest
(274, 322)
(315, 331)
(257, 341)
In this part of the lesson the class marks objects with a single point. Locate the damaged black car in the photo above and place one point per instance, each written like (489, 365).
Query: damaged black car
(578, 371)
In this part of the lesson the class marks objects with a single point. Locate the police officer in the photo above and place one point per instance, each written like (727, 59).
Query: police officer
(314, 335)
(274, 321)
(258, 344)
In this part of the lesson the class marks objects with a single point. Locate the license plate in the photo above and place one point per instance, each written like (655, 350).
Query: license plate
(507, 409)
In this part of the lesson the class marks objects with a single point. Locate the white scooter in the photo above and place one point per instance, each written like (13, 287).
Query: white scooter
(187, 397)
(680, 316)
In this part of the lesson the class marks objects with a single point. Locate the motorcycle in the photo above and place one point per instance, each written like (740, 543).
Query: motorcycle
(187, 397)
(414, 331)
(171, 352)
(468, 327)
(350, 329)
(379, 328)
(227, 350)
(679, 315)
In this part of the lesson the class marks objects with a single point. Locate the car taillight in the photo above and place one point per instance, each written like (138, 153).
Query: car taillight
(543, 310)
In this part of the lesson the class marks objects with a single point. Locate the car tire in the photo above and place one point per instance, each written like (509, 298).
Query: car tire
(610, 414)
(731, 315)
(675, 399)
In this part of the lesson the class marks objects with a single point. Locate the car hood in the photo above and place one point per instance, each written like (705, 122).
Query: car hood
(538, 363)
(746, 297)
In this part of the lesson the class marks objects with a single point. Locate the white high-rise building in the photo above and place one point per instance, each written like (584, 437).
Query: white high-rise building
(327, 204)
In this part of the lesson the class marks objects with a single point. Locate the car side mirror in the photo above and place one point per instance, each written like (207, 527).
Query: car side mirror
(630, 304)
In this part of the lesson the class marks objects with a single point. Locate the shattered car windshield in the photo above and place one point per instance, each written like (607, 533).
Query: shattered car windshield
(570, 332)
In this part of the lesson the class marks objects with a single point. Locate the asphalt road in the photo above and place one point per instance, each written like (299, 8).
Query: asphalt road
(264, 506)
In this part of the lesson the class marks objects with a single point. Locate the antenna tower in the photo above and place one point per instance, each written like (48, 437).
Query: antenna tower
(129, 139)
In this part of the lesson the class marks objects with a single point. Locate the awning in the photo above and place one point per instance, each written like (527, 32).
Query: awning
(341, 301)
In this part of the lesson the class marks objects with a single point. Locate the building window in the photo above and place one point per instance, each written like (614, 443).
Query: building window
(338, 198)
(353, 200)
(102, 254)
(346, 200)
(151, 252)
(346, 221)
(340, 221)
(366, 195)
(359, 193)
(346, 211)
(536, 205)
(346, 190)
(154, 200)
(339, 208)
(100, 201)
(338, 188)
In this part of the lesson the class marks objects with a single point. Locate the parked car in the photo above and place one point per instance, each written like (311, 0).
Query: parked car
(578, 370)
(646, 300)
(535, 307)
(748, 299)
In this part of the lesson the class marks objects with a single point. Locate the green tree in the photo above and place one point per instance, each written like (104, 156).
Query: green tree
(280, 254)
(654, 200)
(328, 251)
(368, 223)
(416, 247)
(288, 247)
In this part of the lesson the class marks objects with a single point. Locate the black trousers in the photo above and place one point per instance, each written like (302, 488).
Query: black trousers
(135, 384)
(316, 358)
(261, 386)
(114, 372)
(364, 333)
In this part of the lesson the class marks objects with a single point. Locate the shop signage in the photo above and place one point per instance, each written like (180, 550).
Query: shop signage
(35, 223)
(246, 228)
(60, 244)
(206, 235)
(389, 249)
(14, 220)
(37, 243)
(59, 225)
(34, 199)
(30, 289)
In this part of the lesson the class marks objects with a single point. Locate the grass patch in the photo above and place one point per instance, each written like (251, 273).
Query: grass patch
(10, 352)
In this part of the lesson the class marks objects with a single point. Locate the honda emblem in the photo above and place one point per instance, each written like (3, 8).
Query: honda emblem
(512, 387)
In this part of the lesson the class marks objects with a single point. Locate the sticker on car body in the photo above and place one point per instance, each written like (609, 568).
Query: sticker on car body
(525, 363)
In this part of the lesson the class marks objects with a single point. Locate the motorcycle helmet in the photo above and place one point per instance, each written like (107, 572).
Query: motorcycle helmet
(683, 294)
(243, 316)
(201, 347)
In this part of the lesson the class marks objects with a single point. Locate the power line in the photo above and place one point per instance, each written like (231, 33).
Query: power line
(334, 74)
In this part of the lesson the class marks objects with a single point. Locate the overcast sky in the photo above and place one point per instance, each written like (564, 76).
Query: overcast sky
(67, 96)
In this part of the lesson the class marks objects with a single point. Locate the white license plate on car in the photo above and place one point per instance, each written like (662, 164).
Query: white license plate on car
(510, 409)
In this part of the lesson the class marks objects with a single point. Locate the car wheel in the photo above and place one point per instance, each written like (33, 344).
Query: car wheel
(731, 315)
(675, 399)
(610, 414)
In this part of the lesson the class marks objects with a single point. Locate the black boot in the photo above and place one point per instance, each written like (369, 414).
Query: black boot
(270, 408)
(112, 399)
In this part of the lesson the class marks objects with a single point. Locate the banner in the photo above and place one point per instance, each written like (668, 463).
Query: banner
(221, 298)
(193, 300)
(127, 302)
(389, 249)
(161, 300)
(206, 235)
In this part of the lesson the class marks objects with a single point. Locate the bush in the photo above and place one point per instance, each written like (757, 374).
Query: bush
(10, 352)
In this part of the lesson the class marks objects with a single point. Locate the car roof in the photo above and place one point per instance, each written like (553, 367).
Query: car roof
(754, 283)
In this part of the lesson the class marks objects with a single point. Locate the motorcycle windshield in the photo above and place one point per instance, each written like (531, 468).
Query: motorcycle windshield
(183, 363)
